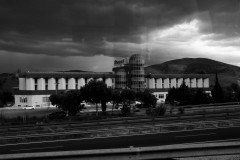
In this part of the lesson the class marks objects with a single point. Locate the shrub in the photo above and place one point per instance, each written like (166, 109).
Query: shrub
(159, 110)
(181, 110)
(126, 110)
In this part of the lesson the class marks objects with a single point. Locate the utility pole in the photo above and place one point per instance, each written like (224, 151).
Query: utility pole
(56, 87)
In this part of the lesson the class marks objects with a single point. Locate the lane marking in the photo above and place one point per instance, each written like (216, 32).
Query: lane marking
(214, 141)
(36, 148)
(194, 135)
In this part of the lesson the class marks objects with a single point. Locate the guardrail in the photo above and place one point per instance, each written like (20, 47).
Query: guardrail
(136, 153)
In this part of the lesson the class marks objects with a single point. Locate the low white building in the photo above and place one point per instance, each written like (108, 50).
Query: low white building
(35, 88)
(159, 84)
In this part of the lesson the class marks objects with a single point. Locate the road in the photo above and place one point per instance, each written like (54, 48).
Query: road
(206, 135)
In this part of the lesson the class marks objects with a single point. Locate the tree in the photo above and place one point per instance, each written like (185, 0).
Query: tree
(183, 95)
(116, 98)
(105, 96)
(159, 110)
(172, 93)
(71, 102)
(232, 93)
(147, 98)
(139, 96)
(96, 92)
(57, 99)
(127, 96)
(217, 91)
(6, 97)
(200, 97)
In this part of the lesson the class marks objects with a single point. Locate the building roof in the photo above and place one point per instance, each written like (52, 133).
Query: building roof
(39, 92)
(101, 75)
(167, 89)
(177, 76)
(67, 75)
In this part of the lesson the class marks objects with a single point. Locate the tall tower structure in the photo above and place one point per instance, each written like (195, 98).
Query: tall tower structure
(121, 72)
(129, 73)
(136, 64)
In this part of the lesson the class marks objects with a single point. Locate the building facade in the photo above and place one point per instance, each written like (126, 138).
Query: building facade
(129, 73)
(35, 88)
(159, 84)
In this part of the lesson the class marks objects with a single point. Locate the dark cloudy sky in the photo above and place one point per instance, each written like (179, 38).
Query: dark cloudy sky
(51, 35)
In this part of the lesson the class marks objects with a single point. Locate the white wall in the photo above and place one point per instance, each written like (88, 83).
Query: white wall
(71, 83)
(199, 83)
(89, 79)
(194, 83)
(108, 82)
(206, 83)
(37, 100)
(151, 83)
(209, 92)
(99, 79)
(51, 84)
(160, 100)
(32, 100)
(61, 84)
(30, 84)
(22, 83)
(159, 83)
(177, 82)
(81, 82)
(166, 82)
(41, 84)
(180, 82)
(187, 82)
(17, 101)
(173, 83)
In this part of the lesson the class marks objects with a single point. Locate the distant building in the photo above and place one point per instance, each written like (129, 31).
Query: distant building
(129, 73)
(35, 88)
(159, 84)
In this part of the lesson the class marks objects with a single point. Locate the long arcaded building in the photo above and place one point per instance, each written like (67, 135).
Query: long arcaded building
(36, 87)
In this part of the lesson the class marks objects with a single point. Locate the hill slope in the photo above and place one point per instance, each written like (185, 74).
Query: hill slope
(227, 73)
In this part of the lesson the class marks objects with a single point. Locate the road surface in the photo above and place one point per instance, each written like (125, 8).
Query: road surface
(230, 134)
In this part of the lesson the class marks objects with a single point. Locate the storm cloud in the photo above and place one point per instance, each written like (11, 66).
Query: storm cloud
(161, 30)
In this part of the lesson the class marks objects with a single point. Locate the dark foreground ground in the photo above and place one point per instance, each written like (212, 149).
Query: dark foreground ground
(230, 134)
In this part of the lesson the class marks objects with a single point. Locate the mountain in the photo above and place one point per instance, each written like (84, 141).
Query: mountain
(227, 73)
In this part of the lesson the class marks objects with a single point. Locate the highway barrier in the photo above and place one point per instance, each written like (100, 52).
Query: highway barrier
(136, 153)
